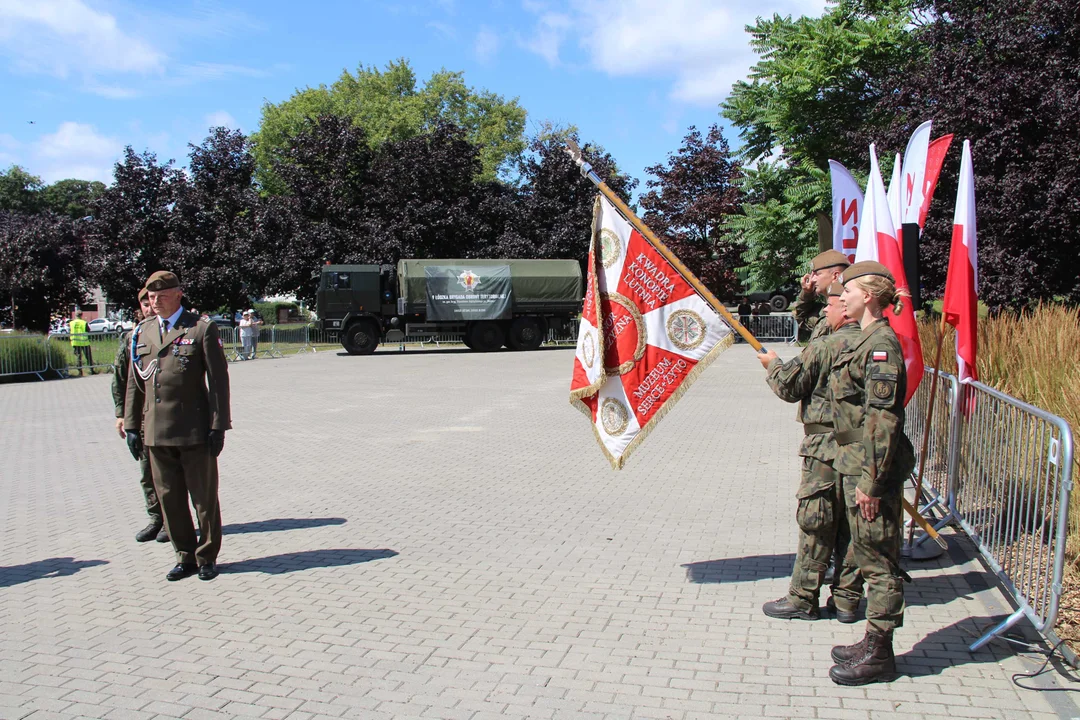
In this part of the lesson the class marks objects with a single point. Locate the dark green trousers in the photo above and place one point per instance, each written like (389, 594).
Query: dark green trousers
(180, 473)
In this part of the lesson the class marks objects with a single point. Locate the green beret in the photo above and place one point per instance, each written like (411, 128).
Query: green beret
(828, 259)
(864, 268)
(835, 290)
(143, 293)
(162, 280)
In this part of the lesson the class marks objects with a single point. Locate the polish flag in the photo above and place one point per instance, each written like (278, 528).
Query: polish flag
(877, 223)
(935, 157)
(894, 200)
(847, 201)
(912, 194)
(961, 305)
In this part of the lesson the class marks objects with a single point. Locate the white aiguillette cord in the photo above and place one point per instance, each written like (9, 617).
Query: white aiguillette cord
(150, 369)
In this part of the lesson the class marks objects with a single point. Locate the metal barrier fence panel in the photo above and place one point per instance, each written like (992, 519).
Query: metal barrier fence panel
(773, 328)
(936, 476)
(1014, 480)
(98, 357)
(23, 355)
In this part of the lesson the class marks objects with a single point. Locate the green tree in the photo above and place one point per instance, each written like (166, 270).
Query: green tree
(41, 267)
(815, 93)
(19, 190)
(389, 106)
(72, 198)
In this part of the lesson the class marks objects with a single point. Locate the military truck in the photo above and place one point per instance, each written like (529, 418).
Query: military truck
(487, 303)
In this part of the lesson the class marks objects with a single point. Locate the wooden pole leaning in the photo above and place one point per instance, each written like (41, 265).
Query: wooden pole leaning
(927, 426)
(574, 151)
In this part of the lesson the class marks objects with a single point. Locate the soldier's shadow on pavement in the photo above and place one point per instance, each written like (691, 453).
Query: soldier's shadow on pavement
(948, 647)
(306, 560)
(276, 524)
(40, 569)
(740, 569)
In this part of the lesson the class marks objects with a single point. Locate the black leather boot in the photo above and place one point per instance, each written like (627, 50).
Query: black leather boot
(875, 662)
(149, 532)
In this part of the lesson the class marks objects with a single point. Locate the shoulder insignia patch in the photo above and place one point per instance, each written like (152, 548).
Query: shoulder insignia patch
(220, 344)
(880, 356)
(882, 389)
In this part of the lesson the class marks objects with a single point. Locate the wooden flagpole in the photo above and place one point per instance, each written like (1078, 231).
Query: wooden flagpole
(926, 446)
(574, 151)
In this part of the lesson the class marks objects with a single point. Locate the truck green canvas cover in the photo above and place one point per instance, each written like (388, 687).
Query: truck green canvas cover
(534, 282)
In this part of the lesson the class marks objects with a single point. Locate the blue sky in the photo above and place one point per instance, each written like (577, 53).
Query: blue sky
(83, 78)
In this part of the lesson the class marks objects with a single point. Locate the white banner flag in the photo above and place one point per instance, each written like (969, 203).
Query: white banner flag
(847, 202)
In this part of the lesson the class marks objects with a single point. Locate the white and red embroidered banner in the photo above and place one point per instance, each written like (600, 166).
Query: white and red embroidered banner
(644, 337)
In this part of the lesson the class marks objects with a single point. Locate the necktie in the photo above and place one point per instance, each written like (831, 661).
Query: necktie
(166, 324)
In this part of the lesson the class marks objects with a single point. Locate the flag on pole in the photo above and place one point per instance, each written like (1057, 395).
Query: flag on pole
(847, 201)
(914, 175)
(878, 225)
(961, 304)
(645, 336)
(893, 195)
(935, 157)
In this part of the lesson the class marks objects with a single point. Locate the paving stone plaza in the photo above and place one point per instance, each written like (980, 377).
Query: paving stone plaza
(436, 535)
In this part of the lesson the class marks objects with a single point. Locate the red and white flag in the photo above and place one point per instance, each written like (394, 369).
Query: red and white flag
(645, 336)
(847, 201)
(912, 195)
(893, 194)
(935, 158)
(878, 224)
(961, 304)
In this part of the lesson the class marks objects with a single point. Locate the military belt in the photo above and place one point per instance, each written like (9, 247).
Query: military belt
(846, 437)
(817, 428)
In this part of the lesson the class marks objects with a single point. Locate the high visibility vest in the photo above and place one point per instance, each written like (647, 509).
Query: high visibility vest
(79, 338)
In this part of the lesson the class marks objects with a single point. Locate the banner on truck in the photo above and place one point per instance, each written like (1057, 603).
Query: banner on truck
(461, 292)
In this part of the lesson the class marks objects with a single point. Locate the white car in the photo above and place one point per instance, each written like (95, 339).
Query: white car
(103, 325)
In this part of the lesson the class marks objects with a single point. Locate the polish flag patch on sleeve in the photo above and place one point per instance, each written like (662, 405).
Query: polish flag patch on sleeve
(880, 356)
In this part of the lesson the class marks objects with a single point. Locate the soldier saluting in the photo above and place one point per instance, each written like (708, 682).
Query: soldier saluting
(825, 268)
(178, 396)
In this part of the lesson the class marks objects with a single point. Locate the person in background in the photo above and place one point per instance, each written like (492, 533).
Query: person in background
(745, 310)
(249, 334)
(80, 342)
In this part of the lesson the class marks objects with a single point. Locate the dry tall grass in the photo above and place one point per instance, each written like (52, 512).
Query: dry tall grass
(1035, 357)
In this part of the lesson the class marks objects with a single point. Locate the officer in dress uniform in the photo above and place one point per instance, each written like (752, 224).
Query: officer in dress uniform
(121, 366)
(178, 398)
(822, 512)
(867, 388)
(825, 268)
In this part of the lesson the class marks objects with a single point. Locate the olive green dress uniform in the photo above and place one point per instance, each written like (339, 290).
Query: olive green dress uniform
(185, 397)
(119, 393)
(867, 385)
(822, 512)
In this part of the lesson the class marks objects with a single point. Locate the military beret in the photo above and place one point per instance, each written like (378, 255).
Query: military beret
(835, 290)
(143, 293)
(828, 259)
(864, 268)
(162, 280)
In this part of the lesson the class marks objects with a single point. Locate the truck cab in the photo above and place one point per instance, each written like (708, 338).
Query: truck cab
(352, 300)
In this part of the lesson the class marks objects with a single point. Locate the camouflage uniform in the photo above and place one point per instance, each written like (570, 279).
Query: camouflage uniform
(822, 518)
(810, 315)
(119, 393)
(867, 386)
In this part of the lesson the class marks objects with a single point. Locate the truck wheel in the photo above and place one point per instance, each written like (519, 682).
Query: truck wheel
(779, 303)
(485, 336)
(525, 334)
(360, 339)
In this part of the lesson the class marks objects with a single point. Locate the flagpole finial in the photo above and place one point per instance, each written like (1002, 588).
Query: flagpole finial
(574, 151)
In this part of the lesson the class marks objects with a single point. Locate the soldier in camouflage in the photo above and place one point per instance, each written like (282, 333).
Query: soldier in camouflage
(821, 515)
(867, 387)
(156, 528)
(825, 268)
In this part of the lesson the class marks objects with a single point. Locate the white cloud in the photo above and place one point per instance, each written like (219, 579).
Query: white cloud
(75, 150)
(700, 45)
(487, 44)
(221, 119)
(65, 37)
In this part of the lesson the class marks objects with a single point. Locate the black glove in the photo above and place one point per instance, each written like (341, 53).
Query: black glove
(215, 439)
(134, 444)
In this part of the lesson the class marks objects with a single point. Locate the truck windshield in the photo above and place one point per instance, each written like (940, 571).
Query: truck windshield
(337, 281)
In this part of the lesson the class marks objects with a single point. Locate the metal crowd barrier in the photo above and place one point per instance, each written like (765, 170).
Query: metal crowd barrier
(24, 355)
(772, 328)
(1002, 470)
